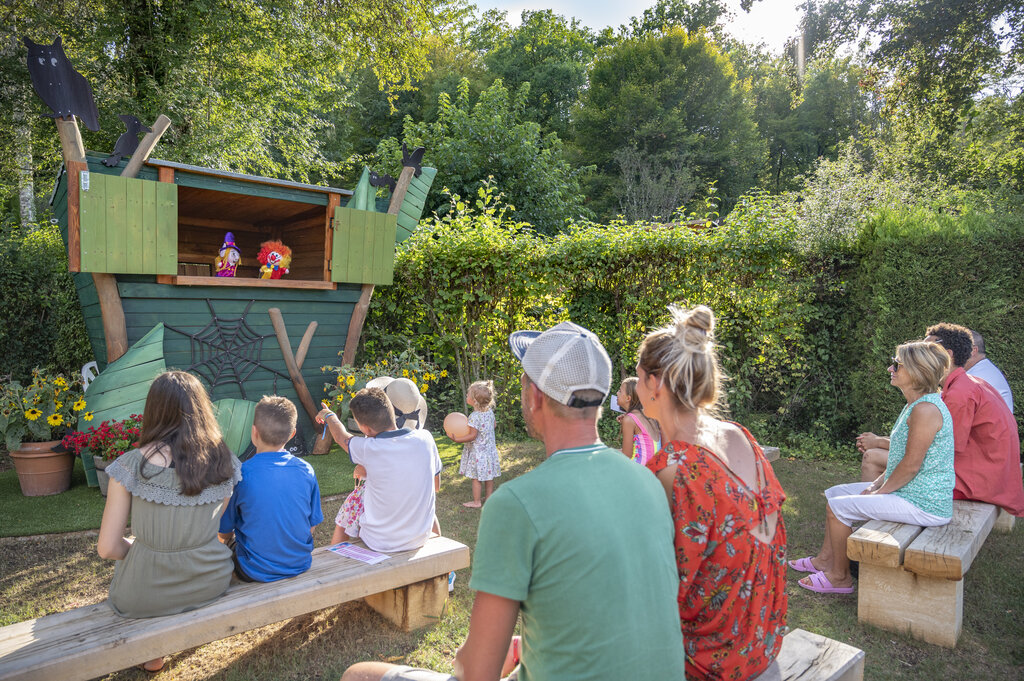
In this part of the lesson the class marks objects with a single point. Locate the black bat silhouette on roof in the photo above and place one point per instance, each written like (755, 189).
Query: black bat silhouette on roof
(382, 181)
(128, 141)
(61, 88)
(413, 160)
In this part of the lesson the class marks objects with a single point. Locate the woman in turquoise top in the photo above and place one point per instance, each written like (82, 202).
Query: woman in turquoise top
(917, 485)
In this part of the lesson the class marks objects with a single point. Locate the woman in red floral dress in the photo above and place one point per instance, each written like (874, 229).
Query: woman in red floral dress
(725, 499)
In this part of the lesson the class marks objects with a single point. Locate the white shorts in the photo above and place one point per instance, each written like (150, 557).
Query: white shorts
(406, 673)
(850, 506)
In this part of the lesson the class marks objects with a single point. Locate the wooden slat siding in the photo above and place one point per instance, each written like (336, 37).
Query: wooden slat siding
(184, 178)
(149, 238)
(93, 220)
(135, 218)
(370, 236)
(120, 389)
(235, 420)
(947, 551)
(117, 224)
(879, 542)
(167, 228)
(92, 641)
(412, 205)
(363, 194)
(146, 287)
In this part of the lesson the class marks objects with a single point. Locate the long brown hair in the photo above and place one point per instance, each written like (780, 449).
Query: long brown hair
(629, 385)
(179, 417)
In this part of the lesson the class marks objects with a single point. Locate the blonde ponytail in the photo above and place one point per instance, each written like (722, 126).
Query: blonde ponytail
(683, 354)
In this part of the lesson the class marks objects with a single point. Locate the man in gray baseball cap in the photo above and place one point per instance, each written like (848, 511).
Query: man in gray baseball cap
(580, 547)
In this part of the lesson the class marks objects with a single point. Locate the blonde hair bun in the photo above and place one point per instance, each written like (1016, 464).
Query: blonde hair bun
(694, 328)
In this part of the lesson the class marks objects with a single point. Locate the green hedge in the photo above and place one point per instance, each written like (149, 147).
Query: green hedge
(918, 268)
(805, 334)
(43, 325)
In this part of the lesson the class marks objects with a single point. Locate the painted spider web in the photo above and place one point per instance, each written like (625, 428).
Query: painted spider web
(227, 351)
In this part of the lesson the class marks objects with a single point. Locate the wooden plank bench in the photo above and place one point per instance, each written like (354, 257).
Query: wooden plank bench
(806, 656)
(911, 578)
(410, 589)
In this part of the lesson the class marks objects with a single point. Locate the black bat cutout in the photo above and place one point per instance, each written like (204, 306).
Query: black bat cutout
(59, 85)
(382, 181)
(128, 142)
(413, 160)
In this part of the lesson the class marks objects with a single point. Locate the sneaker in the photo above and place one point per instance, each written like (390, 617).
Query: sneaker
(451, 582)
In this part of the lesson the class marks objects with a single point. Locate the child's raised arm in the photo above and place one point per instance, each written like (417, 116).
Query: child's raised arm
(337, 428)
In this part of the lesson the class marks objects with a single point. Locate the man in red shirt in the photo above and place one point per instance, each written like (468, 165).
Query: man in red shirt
(985, 436)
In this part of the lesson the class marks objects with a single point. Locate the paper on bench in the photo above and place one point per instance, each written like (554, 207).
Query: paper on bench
(358, 553)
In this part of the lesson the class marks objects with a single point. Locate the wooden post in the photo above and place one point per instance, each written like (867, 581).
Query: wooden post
(362, 308)
(333, 201)
(323, 445)
(413, 606)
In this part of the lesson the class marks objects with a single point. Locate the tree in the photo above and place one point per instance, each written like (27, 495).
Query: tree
(673, 103)
(550, 54)
(699, 15)
(249, 85)
(470, 142)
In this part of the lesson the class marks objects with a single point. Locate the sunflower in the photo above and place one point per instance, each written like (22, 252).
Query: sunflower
(58, 405)
(33, 414)
(444, 373)
(423, 388)
(87, 416)
(405, 373)
(59, 381)
(79, 405)
(55, 419)
(351, 381)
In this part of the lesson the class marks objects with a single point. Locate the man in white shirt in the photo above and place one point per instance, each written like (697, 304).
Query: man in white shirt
(982, 367)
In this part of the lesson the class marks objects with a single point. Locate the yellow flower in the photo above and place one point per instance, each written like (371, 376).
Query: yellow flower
(444, 373)
(87, 416)
(59, 381)
(405, 373)
(351, 394)
(55, 419)
(351, 381)
(33, 414)
(79, 405)
(58, 405)
(423, 388)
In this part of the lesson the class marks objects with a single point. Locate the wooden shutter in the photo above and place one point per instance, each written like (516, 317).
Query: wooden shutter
(364, 247)
(129, 226)
(412, 206)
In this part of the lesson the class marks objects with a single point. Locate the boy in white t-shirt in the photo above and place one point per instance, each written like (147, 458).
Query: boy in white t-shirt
(402, 470)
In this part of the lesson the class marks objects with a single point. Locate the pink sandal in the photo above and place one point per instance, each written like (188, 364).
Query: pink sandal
(803, 565)
(820, 584)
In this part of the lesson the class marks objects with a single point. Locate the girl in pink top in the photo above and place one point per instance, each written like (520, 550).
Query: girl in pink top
(641, 437)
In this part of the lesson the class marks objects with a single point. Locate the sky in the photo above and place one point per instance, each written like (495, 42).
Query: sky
(769, 21)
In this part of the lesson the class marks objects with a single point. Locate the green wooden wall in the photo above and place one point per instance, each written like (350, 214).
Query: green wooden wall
(129, 226)
(364, 246)
(412, 207)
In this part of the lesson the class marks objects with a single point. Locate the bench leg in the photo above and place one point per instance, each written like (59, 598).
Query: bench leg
(1004, 522)
(805, 655)
(927, 608)
(413, 606)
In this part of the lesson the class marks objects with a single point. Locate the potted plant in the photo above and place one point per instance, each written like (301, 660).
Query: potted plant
(106, 443)
(33, 419)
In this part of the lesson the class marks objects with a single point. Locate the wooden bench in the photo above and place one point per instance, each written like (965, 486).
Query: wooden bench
(410, 589)
(911, 578)
(805, 656)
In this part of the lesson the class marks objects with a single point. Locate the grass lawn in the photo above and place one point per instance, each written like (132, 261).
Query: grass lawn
(44, 575)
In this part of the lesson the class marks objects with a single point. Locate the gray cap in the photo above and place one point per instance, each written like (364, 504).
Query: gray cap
(562, 360)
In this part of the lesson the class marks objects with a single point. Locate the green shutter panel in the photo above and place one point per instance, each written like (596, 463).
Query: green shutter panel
(235, 416)
(129, 226)
(364, 195)
(364, 247)
(412, 206)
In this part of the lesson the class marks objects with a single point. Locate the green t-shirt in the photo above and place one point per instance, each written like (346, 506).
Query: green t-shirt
(584, 542)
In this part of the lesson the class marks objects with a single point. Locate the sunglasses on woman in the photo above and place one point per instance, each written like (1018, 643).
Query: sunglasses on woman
(896, 364)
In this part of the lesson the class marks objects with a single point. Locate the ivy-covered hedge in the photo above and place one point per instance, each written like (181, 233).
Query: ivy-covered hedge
(42, 322)
(918, 268)
(805, 333)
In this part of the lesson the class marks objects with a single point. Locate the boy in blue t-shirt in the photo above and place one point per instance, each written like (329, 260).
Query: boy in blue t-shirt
(269, 522)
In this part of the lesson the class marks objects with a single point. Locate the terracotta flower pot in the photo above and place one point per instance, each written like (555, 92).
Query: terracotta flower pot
(102, 477)
(42, 471)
